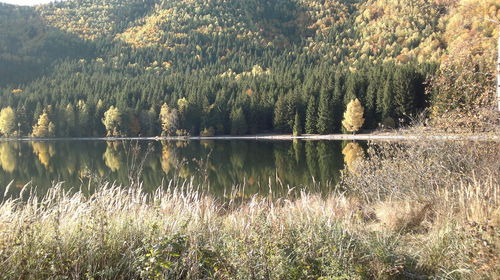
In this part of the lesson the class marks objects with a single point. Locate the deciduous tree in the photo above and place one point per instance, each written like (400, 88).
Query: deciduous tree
(112, 121)
(44, 127)
(7, 121)
(168, 120)
(353, 116)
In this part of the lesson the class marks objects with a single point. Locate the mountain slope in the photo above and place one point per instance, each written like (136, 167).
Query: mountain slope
(261, 62)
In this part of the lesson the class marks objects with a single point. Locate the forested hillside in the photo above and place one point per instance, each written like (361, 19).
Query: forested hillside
(151, 67)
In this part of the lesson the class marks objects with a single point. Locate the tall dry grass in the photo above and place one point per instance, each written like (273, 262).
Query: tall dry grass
(406, 211)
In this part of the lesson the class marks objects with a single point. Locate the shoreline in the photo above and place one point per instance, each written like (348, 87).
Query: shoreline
(278, 137)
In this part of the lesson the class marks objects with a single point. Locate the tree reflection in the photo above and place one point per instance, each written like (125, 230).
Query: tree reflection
(112, 156)
(8, 157)
(353, 152)
(44, 151)
(168, 157)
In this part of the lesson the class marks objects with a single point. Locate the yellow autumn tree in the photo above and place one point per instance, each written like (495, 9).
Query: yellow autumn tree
(44, 127)
(353, 116)
(112, 121)
(168, 119)
(7, 121)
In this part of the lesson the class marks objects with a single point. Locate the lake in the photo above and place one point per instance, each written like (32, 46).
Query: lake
(217, 165)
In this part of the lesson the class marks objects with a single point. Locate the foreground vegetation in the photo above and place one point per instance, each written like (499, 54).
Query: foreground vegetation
(413, 211)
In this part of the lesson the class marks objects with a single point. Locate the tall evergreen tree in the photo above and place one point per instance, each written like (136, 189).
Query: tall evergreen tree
(311, 115)
(404, 92)
(325, 117)
(281, 120)
(337, 102)
(238, 122)
(387, 99)
(297, 126)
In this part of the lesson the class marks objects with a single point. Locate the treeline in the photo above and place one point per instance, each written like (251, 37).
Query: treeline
(276, 99)
(239, 68)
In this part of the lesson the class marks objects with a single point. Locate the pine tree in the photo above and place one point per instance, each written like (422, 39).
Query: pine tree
(311, 115)
(238, 122)
(280, 120)
(404, 93)
(387, 99)
(70, 120)
(297, 126)
(353, 116)
(350, 89)
(325, 117)
(337, 102)
(370, 100)
(83, 120)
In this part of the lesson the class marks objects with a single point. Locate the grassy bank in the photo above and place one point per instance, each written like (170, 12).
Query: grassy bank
(404, 211)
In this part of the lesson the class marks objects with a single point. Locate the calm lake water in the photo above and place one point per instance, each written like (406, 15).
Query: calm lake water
(254, 166)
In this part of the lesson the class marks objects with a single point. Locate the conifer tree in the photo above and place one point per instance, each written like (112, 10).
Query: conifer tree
(353, 116)
(370, 101)
(238, 122)
(350, 89)
(337, 102)
(83, 120)
(70, 120)
(280, 120)
(311, 115)
(297, 126)
(387, 99)
(325, 118)
(404, 93)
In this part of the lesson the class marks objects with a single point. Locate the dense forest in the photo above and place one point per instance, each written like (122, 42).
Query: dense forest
(207, 67)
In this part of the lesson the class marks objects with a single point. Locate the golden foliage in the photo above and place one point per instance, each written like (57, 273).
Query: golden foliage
(7, 121)
(112, 157)
(44, 151)
(353, 116)
(352, 152)
(464, 88)
(8, 157)
(168, 119)
(44, 127)
(112, 121)
(406, 30)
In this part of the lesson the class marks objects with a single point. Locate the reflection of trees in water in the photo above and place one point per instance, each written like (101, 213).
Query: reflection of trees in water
(312, 159)
(238, 154)
(353, 152)
(8, 156)
(224, 163)
(45, 151)
(166, 157)
(325, 156)
(169, 158)
(112, 156)
(297, 148)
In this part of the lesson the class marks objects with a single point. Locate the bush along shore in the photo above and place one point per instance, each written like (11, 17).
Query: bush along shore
(401, 211)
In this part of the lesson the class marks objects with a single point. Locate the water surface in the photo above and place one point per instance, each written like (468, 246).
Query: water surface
(255, 166)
